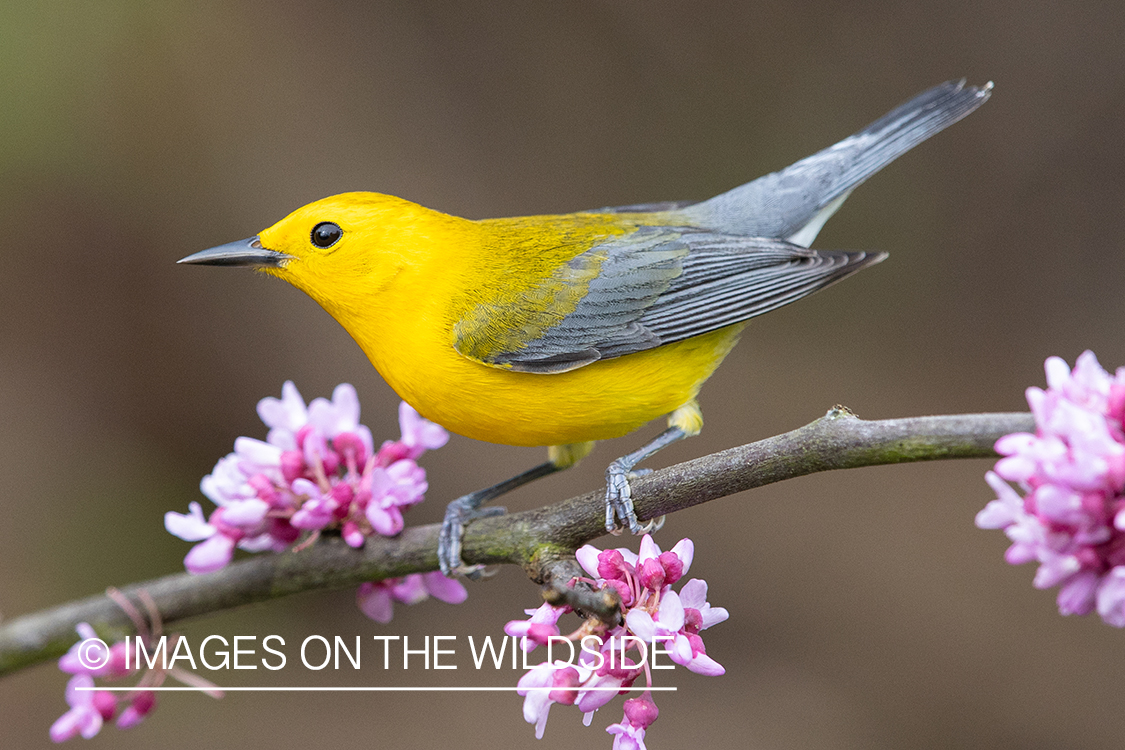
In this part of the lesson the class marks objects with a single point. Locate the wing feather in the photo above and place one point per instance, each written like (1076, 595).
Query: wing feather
(655, 286)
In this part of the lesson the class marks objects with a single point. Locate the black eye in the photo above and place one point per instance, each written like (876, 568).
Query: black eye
(326, 234)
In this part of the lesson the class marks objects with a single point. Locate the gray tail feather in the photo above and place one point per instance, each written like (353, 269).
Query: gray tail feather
(905, 127)
(782, 204)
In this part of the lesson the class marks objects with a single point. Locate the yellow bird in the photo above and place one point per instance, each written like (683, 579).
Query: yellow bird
(563, 330)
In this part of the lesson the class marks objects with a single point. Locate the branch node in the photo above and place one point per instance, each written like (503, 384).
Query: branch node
(839, 411)
(561, 589)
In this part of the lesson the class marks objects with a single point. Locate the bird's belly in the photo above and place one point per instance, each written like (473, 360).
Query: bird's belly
(602, 400)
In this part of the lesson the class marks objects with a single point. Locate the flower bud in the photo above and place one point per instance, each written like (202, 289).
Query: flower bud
(651, 574)
(611, 564)
(641, 712)
(673, 567)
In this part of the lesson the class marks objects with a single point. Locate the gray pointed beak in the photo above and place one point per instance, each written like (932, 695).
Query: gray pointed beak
(241, 253)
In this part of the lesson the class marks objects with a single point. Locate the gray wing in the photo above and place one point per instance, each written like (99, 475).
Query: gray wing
(654, 287)
(794, 203)
(729, 279)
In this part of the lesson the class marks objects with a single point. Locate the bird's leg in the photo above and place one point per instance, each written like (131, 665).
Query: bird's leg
(685, 421)
(467, 508)
(618, 493)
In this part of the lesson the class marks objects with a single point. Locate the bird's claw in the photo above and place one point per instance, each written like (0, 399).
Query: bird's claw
(619, 498)
(458, 514)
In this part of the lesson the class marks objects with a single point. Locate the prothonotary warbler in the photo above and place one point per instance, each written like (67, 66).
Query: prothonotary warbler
(563, 330)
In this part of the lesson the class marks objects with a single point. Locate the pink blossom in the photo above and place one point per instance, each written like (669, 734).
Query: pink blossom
(192, 527)
(698, 613)
(595, 693)
(448, 590)
(91, 657)
(546, 684)
(89, 708)
(542, 625)
(1111, 597)
(210, 555)
(316, 472)
(227, 481)
(651, 612)
(1071, 472)
(284, 416)
(629, 734)
(670, 627)
(318, 511)
(256, 455)
(418, 434)
(139, 707)
(607, 564)
(376, 599)
(341, 416)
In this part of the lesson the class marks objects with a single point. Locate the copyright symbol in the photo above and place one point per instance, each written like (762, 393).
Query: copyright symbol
(93, 654)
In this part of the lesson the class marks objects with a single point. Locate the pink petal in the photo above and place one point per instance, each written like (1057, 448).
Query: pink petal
(671, 614)
(419, 433)
(409, 589)
(587, 557)
(346, 401)
(1076, 597)
(685, 550)
(694, 594)
(375, 601)
(1111, 597)
(705, 665)
(386, 521)
(209, 556)
(244, 513)
(1058, 372)
(448, 590)
(257, 452)
(642, 624)
(287, 413)
(191, 527)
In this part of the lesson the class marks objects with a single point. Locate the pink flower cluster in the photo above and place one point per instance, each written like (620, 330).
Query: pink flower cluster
(91, 657)
(651, 612)
(90, 708)
(317, 470)
(1071, 516)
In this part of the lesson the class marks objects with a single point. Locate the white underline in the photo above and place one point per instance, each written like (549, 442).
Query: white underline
(362, 689)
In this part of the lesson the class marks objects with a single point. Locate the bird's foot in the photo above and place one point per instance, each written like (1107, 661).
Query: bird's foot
(619, 512)
(458, 514)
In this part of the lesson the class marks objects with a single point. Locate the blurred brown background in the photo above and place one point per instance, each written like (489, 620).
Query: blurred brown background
(867, 611)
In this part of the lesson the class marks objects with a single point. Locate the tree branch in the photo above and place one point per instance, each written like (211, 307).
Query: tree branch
(542, 540)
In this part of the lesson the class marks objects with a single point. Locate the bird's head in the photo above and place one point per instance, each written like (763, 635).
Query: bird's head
(335, 247)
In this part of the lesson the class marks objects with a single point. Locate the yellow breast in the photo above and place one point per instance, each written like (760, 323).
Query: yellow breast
(602, 400)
